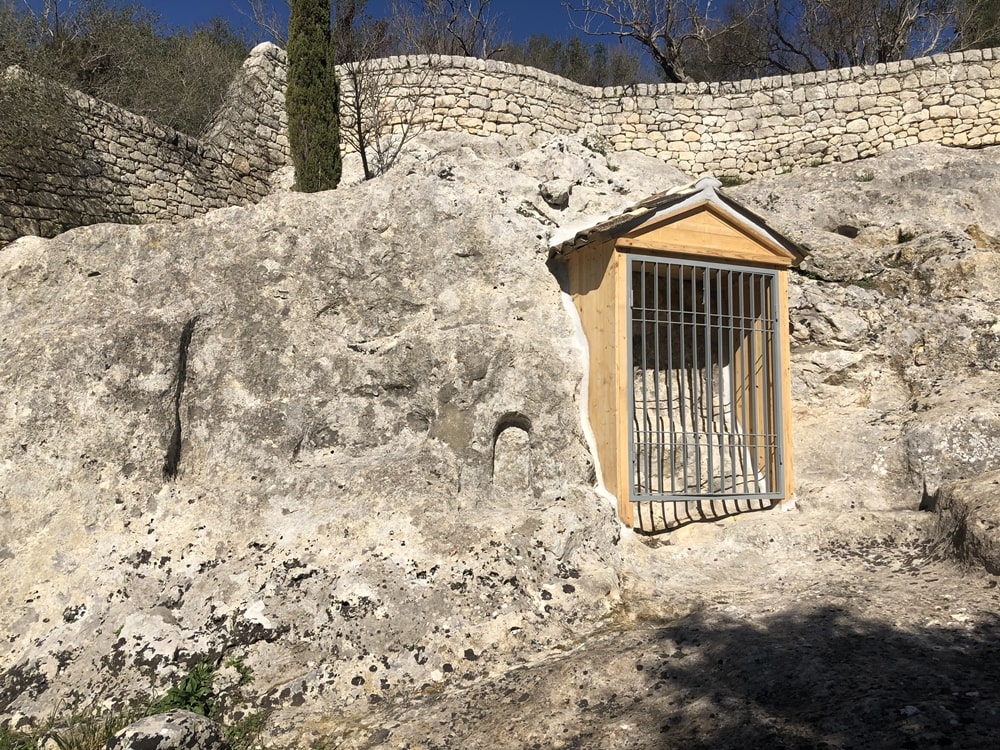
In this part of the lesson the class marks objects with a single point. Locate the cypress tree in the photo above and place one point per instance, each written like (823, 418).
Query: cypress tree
(312, 98)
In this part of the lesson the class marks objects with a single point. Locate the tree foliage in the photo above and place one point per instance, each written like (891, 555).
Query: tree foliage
(312, 98)
(121, 53)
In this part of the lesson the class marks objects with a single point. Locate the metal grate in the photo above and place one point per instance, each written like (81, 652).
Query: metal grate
(705, 392)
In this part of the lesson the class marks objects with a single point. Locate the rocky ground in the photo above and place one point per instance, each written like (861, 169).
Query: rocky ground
(800, 629)
(335, 440)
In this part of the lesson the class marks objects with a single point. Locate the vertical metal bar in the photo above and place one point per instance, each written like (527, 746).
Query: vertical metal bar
(735, 318)
(745, 376)
(633, 424)
(706, 291)
(719, 331)
(753, 320)
(682, 376)
(672, 412)
(767, 380)
(657, 369)
(777, 479)
(773, 417)
(644, 439)
(778, 387)
(739, 380)
(691, 370)
(637, 276)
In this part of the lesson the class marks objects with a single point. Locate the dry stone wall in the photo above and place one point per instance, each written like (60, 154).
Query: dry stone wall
(116, 166)
(738, 128)
(104, 163)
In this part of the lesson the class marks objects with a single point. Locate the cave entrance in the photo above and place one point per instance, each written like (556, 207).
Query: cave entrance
(683, 300)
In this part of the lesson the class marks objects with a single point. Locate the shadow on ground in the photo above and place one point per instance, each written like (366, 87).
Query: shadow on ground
(826, 679)
(813, 678)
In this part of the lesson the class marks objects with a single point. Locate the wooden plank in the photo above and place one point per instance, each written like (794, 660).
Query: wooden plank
(698, 246)
(707, 226)
(623, 370)
(786, 383)
(592, 275)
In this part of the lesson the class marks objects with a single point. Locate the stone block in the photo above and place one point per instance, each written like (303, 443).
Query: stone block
(941, 112)
(846, 104)
(889, 85)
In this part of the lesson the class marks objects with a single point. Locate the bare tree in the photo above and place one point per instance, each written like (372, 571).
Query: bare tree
(448, 27)
(667, 29)
(593, 64)
(840, 33)
(696, 39)
(380, 115)
(380, 112)
(977, 24)
(377, 116)
(272, 24)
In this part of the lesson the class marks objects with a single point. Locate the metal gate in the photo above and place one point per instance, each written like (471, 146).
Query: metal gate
(705, 392)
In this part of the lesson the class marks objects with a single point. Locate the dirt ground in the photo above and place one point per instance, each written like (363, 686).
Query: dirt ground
(778, 630)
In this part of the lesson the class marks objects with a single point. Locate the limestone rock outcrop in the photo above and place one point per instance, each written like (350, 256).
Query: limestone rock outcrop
(173, 730)
(895, 324)
(336, 439)
(335, 436)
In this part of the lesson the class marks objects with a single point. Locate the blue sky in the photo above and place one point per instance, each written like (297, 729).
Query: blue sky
(522, 17)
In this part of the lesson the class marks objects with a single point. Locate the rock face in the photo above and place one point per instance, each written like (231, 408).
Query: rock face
(335, 436)
(970, 520)
(174, 730)
(895, 323)
(336, 439)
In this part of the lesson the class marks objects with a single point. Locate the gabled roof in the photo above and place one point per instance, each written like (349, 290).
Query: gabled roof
(670, 206)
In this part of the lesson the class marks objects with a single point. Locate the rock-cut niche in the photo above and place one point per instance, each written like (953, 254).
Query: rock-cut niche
(512, 453)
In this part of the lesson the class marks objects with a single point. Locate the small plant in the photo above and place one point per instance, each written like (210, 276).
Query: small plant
(596, 143)
(192, 693)
(246, 733)
(865, 282)
(730, 180)
(11, 739)
(866, 176)
(816, 163)
(91, 728)
(245, 672)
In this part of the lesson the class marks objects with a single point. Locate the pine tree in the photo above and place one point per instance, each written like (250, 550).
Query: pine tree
(312, 98)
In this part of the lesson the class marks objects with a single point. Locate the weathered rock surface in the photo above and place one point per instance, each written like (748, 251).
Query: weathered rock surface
(970, 520)
(173, 730)
(337, 438)
(895, 322)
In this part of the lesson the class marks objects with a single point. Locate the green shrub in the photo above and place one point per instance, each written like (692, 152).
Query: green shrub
(192, 693)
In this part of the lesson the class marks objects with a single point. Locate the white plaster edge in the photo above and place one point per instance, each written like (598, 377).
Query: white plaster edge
(580, 343)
